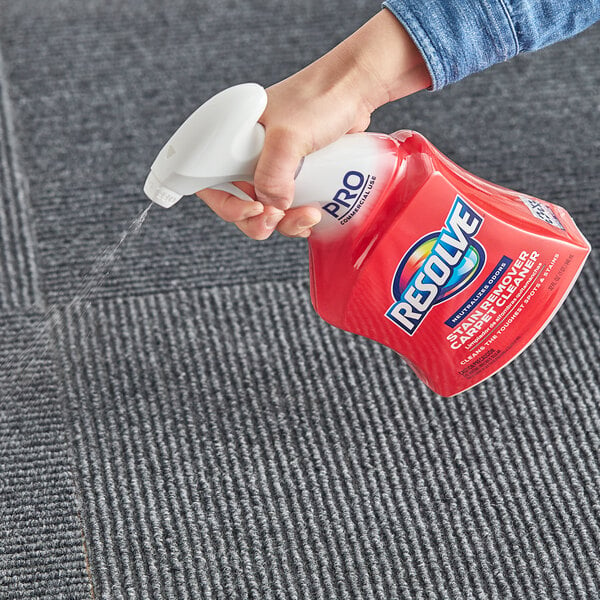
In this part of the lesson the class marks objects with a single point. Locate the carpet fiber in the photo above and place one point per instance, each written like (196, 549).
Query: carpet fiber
(190, 428)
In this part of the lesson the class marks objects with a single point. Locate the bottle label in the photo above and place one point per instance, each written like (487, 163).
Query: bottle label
(437, 267)
(349, 199)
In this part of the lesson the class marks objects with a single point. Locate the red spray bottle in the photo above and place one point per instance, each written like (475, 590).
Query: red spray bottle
(456, 274)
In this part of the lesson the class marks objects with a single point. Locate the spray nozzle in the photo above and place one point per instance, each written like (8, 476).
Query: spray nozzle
(219, 143)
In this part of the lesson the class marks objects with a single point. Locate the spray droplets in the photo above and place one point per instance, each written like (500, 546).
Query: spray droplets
(20, 364)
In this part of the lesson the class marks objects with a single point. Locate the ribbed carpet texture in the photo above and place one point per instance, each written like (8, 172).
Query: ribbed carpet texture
(188, 428)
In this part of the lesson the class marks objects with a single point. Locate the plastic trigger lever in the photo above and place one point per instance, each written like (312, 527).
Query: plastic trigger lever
(233, 190)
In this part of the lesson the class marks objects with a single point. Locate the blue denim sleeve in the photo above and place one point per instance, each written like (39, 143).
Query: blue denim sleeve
(460, 37)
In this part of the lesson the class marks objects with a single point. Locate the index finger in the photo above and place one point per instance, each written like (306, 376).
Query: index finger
(231, 208)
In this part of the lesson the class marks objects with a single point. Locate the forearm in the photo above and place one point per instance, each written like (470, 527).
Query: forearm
(387, 51)
(379, 62)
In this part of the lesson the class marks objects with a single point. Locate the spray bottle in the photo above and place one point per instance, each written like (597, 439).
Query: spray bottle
(456, 274)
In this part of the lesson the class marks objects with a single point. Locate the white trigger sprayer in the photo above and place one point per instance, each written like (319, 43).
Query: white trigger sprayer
(219, 143)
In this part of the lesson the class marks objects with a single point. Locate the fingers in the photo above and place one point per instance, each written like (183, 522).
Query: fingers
(261, 227)
(298, 222)
(253, 218)
(295, 222)
(230, 208)
(276, 168)
(258, 221)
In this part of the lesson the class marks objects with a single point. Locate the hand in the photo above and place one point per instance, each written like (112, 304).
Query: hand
(333, 96)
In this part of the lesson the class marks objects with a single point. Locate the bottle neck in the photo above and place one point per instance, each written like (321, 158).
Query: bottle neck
(345, 178)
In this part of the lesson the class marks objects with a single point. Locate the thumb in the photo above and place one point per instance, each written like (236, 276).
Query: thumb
(277, 166)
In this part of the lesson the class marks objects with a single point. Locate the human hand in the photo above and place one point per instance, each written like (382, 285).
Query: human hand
(333, 96)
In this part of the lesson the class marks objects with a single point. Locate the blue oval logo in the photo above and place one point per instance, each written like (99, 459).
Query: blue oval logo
(436, 267)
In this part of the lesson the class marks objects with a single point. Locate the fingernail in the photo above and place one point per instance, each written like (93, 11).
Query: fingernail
(281, 203)
(261, 197)
(254, 211)
(272, 220)
(304, 223)
(304, 234)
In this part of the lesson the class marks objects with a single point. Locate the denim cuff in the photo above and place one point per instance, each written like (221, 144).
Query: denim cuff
(457, 38)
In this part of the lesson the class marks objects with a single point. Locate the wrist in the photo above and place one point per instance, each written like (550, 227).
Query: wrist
(386, 63)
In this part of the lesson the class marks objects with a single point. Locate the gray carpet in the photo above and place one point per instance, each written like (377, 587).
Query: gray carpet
(193, 429)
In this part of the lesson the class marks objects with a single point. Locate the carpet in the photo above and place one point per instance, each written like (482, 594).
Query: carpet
(190, 428)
